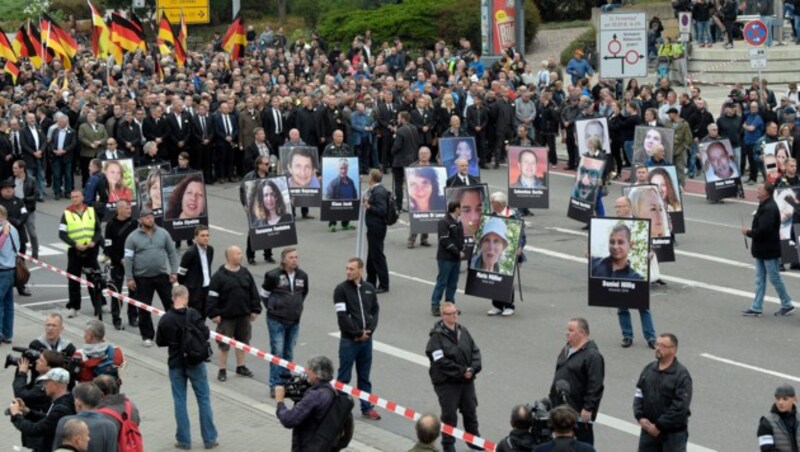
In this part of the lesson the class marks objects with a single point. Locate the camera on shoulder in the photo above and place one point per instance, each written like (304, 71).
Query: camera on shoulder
(28, 353)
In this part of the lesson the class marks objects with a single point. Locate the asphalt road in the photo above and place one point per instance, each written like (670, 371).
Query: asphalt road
(735, 362)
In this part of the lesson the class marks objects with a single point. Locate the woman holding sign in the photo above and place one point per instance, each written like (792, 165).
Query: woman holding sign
(268, 207)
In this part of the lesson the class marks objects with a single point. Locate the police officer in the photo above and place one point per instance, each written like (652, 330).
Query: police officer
(80, 230)
(662, 400)
(17, 216)
(578, 380)
(117, 231)
(455, 361)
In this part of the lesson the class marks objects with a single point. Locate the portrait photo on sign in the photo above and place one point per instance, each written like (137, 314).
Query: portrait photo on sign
(496, 244)
(775, 156)
(268, 202)
(426, 188)
(718, 161)
(474, 202)
(666, 179)
(340, 178)
(619, 249)
(184, 196)
(148, 179)
(300, 163)
(452, 149)
(120, 178)
(594, 127)
(647, 204)
(788, 202)
(527, 167)
(587, 179)
(645, 138)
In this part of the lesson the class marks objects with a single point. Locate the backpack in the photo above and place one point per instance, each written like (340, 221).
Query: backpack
(94, 367)
(194, 343)
(130, 438)
(392, 215)
(336, 429)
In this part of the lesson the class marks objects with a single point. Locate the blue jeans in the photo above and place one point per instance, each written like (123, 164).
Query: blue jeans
(692, 163)
(282, 339)
(599, 207)
(796, 26)
(625, 324)
(7, 304)
(359, 353)
(446, 282)
(627, 147)
(768, 268)
(702, 31)
(737, 156)
(62, 169)
(770, 23)
(197, 374)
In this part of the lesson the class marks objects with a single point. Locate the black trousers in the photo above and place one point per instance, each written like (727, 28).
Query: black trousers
(584, 432)
(455, 397)
(83, 165)
(251, 253)
(76, 262)
(386, 150)
(503, 135)
(146, 286)
(572, 149)
(665, 442)
(117, 278)
(480, 146)
(499, 304)
(549, 140)
(197, 300)
(377, 269)
(398, 177)
(223, 160)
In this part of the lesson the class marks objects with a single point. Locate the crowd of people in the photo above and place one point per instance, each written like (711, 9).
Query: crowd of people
(378, 103)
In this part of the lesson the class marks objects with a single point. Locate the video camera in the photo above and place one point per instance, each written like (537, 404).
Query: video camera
(296, 386)
(28, 353)
(541, 430)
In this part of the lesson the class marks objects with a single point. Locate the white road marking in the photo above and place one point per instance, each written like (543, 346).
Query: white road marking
(713, 223)
(33, 269)
(50, 286)
(419, 280)
(221, 229)
(60, 245)
(47, 251)
(394, 351)
(60, 300)
(780, 375)
(705, 257)
(602, 419)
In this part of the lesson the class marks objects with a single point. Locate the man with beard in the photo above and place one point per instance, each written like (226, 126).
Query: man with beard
(719, 163)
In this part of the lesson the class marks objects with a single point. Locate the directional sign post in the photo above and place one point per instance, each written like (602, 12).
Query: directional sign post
(622, 46)
(194, 11)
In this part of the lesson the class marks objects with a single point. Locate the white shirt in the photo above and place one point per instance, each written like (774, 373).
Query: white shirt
(291, 280)
(204, 264)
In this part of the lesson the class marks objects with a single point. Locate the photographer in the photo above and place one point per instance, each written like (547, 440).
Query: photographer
(520, 438)
(32, 393)
(42, 424)
(97, 357)
(307, 414)
(562, 419)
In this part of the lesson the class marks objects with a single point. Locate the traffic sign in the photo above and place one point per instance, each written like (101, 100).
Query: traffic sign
(194, 11)
(622, 46)
(755, 32)
(685, 22)
(758, 58)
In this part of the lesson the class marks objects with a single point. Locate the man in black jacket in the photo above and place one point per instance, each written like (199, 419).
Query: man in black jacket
(42, 424)
(477, 120)
(404, 149)
(233, 305)
(284, 290)
(662, 399)
(455, 362)
(195, 269)
(448, 256)
(171, 330)
(117, 230)
(356, 305)
(18, 217)
(25, 189)
(766, 250)
(387, 126)
(520, 438)
(32, 392)
(578, 380)
(376, 206)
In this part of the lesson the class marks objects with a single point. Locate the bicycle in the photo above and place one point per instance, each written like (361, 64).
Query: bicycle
(101, 279)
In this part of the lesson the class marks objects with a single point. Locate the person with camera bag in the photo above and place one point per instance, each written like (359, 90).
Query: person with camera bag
(321, 420)
(562, 420)
(455, 361)
(184, 331)
(32, 392)
(97, 357)
(520, 438)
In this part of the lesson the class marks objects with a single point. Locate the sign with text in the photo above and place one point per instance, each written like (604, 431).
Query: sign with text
(194, 11)
(622, 46)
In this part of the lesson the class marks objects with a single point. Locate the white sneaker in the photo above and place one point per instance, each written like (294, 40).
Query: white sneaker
(147, 343)
(507, 312)
(72, 313)
(494, 311)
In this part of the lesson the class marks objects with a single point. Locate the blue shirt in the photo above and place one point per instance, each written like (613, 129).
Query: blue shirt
(7, 255)
(753, 119)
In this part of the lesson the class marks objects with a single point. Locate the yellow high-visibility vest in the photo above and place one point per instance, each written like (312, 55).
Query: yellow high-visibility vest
(80, 228)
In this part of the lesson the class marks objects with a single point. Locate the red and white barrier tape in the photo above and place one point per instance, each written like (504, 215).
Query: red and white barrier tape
(261, 354)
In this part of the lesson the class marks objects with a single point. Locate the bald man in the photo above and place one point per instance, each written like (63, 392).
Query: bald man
(622, 207)
(233, 304)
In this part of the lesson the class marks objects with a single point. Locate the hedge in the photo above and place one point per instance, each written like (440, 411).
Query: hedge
(586, 41)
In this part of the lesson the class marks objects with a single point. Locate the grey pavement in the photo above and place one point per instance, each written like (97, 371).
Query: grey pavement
(243, 413)
(551, 43)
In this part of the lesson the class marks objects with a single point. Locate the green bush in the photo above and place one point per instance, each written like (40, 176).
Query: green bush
(559, 10)
(588, 38)
(419, 23)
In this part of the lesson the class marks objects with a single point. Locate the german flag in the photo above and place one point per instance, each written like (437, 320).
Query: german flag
(6, 50)
(12, 69)
(235, 39)
(126, 34)
(101, 35)
(68, 43)
(114, 48)
(41, 50)
(163, 48)
(24, 46)
(137, 23)
(52, 42)
(180, 42)
(165, 33)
